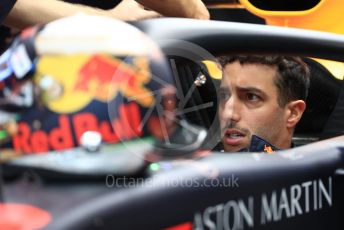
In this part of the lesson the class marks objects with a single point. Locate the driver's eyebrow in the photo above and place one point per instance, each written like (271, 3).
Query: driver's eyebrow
(251, 90)
(223, 89)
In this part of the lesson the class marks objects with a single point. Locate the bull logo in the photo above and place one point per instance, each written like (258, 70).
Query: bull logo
(84, 78)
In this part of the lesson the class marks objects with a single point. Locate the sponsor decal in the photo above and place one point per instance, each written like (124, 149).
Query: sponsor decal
(268, 149)
(20, 61)
(277, 205)
(66, 134)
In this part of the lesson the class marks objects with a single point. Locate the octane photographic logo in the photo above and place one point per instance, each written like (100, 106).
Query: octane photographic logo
(167, 99)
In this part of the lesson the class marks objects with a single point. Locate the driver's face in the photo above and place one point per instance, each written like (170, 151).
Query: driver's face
(248, 104)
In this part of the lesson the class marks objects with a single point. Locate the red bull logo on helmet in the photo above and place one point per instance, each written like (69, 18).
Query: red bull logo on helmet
(80, 103)
(66, 130)
(84, 78)
(105, 77)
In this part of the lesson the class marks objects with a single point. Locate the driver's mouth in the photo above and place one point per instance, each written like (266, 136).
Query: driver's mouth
(234, 137)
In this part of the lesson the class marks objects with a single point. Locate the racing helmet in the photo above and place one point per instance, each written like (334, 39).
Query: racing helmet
(85, 80)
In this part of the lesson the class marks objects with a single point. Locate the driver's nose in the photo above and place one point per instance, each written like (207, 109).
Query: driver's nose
(231, 109)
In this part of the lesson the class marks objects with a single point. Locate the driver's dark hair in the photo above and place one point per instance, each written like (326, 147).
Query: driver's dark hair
(292, 79)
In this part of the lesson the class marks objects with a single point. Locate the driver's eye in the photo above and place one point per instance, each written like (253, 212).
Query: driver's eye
(223, 96)
(252, 97)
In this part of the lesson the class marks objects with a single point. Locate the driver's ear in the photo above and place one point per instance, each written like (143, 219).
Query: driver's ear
(295, 110)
